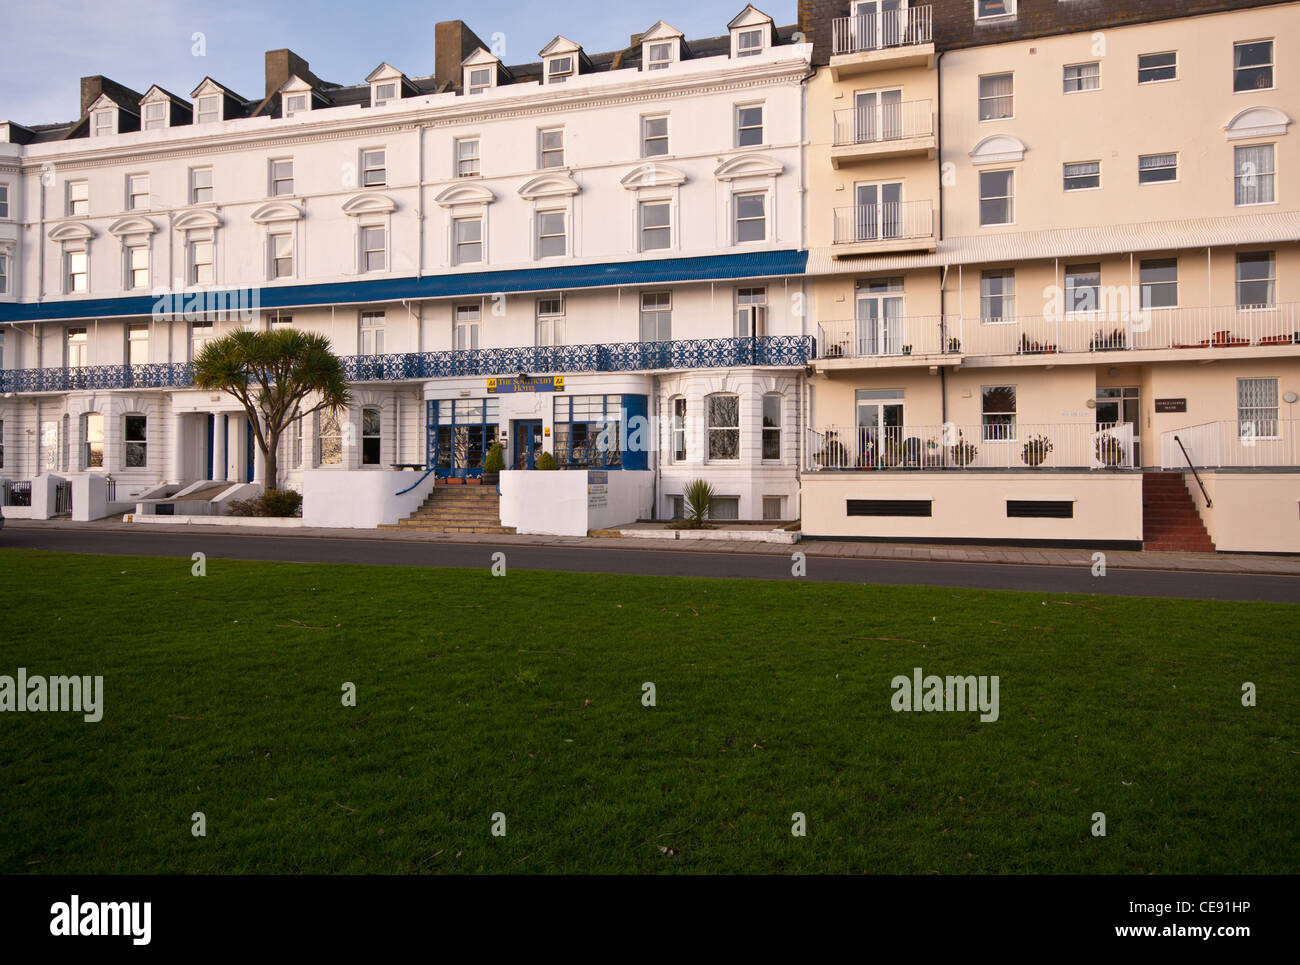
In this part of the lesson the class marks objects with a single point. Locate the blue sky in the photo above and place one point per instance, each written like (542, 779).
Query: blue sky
(144, 42)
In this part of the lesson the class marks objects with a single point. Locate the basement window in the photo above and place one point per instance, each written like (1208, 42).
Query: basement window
(889, 507)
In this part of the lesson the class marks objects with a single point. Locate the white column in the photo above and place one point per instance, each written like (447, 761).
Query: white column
(177, 468)
(219, 447)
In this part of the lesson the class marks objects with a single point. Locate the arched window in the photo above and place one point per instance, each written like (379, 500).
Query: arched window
(723, 426)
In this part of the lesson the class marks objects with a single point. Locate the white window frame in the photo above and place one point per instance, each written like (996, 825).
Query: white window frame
(1005, 297)
(1268, 178)
(1065, 79)
(194, 244)
(1066, 177)
(4, 200)
(196, 187)
(543, 151)
(370, 332)
(1272, 65)
(651, 47)
(1158, 80)
(210, 113)
(364, 252)
(555, 74)
(467, 321)
(275, 181)
(737, 220)
(765, 430)
(133, 185)
(129, 250)
(1175, 166)
(160, 123)
(679, 412)
(103, 122)
(377, 96)
(4, 290)
(137, 335)
(740, 127)
(472, 87)
(981, 97)
(369, 167)
(710, 429)
(1009, 197)
(460, 161)
(655, 308)
(1008, 14)
(643, 228)
(458, 246)
(539, 236)
(128, 443)
(296, 102)
(69, 276)
(548, 327)
(1270, 280)
(740, 33)
(1014, 412)
(78, 193)
(275, 257)
(647, 138)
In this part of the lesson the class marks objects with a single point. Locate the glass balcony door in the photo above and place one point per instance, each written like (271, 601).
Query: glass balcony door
(878, 212)
(878, 115)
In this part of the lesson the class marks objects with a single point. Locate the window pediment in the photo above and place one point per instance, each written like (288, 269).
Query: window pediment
(274, 211)
(653, 176)
(998, 149)
(71, 231)
(369, 203)
(135, 225)
(464, 194)
(1257, 122)
(549, 186)
(748, 166)
(199, 218)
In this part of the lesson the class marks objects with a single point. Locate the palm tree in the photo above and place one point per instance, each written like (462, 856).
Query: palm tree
(271, 374)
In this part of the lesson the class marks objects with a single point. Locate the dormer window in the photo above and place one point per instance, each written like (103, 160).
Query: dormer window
(751, 32)
(659, 56)
(105, 122)
(381, 94)
(296, 104)
(208, 109)
(479, 79)
(155, 116)
(749, 43)
(559, 69)
(661, 47)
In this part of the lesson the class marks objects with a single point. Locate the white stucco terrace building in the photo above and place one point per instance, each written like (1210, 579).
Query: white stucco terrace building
(527, 253)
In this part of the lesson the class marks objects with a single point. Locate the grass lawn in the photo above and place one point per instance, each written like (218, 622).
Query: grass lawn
(522, 694)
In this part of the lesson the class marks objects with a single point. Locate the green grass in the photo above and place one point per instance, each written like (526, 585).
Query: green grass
(522, 694)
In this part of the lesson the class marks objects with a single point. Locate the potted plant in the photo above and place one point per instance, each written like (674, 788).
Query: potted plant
(493, 464)
(954, 344)
(1035, 450)
(1109, 450)
(833, 455)
(546, 462)
(963, 453)
(907, 350)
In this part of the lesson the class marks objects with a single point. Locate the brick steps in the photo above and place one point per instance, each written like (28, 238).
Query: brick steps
(1170, 521)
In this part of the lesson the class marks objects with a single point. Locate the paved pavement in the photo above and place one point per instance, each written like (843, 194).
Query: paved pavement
(1193, 575)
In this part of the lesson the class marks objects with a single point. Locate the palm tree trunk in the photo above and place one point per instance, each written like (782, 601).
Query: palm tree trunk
(270, 456)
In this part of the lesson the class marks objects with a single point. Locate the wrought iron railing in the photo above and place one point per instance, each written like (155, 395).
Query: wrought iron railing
(704, 353)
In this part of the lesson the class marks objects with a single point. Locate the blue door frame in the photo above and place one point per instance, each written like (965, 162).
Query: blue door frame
(528, 442)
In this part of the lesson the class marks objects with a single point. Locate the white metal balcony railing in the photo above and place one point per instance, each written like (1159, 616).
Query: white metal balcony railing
(1001, 446)
(881, 30)
(1155, 329)
(884, 123)
(886, 336)
(1249, 443)
(883, 222)
(1226, 326)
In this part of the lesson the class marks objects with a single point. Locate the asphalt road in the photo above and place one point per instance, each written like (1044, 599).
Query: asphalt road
(587, 559)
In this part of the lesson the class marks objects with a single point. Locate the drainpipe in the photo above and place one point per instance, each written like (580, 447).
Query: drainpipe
(943, 270)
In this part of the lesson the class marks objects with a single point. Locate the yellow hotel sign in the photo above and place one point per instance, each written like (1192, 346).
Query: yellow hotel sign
(532, 383)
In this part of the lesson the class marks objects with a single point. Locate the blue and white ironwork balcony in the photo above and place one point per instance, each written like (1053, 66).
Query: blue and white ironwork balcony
(703, 353)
